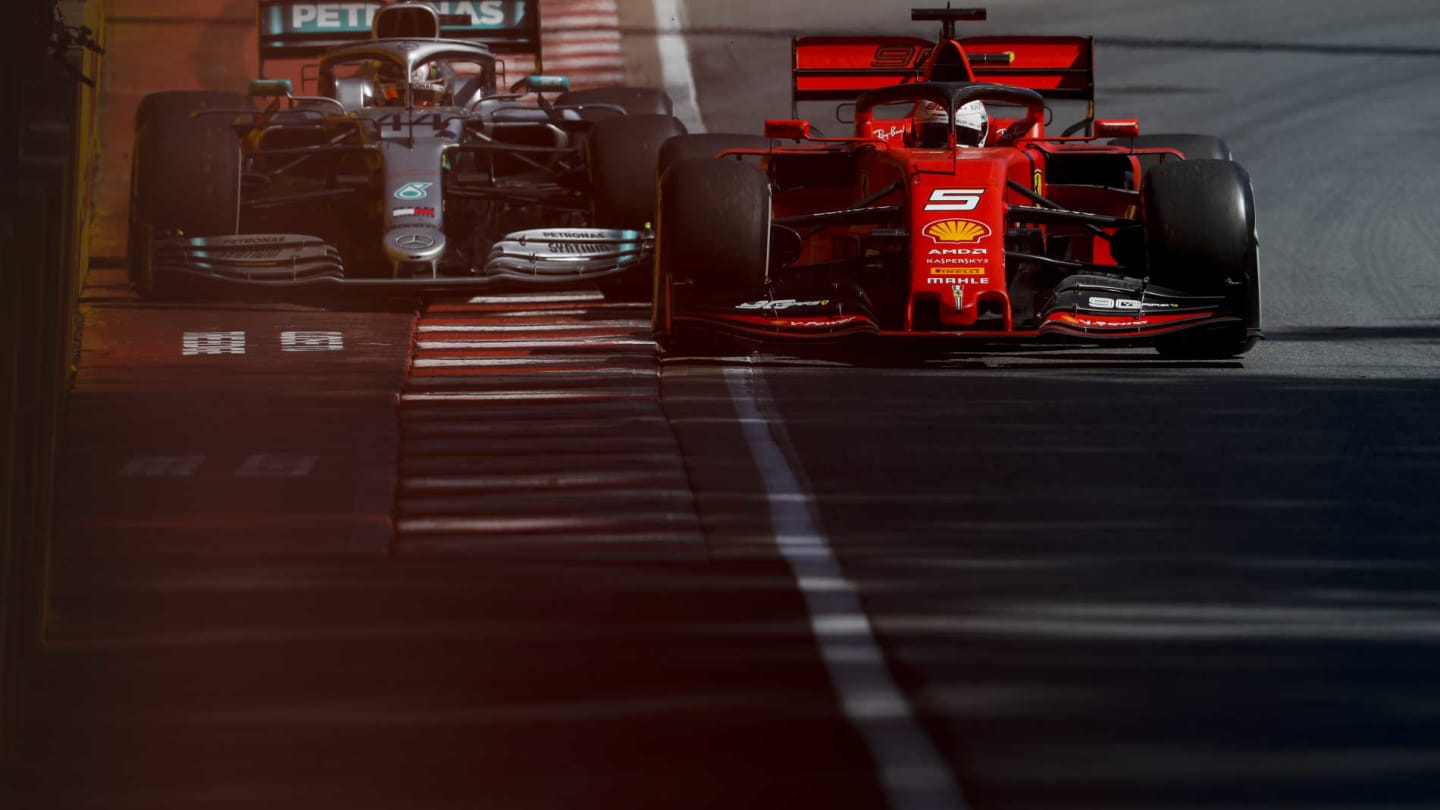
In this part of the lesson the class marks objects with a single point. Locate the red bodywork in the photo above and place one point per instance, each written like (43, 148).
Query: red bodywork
(960, 210)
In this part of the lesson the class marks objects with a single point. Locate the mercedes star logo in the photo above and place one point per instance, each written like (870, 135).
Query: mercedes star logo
(416, 241)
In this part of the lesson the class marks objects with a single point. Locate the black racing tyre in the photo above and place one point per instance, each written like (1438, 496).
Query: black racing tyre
(602, 101)
(712, 240)
(185, 172)
(1193, 147)
(621, 155)
(1200, 238)
(705, 145)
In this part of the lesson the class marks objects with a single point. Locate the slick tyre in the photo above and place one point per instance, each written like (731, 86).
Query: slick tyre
(184, 176)
(705, 145)
(712, 245)
(621, 154)
(1193, 147)
(1200, 237)
(600, 103)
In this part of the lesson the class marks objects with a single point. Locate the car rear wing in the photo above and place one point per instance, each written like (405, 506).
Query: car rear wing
(1055, 67)
(841, 68)
(305, 29)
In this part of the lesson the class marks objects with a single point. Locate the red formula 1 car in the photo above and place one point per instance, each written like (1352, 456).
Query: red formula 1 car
(950, 213)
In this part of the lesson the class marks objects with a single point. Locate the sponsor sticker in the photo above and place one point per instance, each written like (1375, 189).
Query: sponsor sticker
(579, 248)
(413, 191)
(783, 303)
(312, 342)
(1127, 304)
(358, 16)
(955, 199)
(957, 231)
(413, 212)
(416, 241)
(962, 270)
(884, 134)
(198, 344)
(953, 280)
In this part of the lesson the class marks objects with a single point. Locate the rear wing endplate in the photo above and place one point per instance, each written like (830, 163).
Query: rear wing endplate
(841, 68)
(305, 29)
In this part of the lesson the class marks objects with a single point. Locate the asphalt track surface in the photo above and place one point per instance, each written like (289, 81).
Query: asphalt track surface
(1092, 579)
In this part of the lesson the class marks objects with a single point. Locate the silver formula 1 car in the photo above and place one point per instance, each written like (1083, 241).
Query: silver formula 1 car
(413, 167)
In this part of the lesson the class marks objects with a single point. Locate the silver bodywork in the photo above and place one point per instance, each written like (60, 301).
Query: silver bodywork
(407, 156)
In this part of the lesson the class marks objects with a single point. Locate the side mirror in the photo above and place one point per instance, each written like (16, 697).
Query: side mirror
(271, 88)
(786, 129)
(542, 84)
(1117, 128)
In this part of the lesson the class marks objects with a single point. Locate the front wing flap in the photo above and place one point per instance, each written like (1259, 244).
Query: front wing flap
(566, 255)
(1083, 309)
(278, 262)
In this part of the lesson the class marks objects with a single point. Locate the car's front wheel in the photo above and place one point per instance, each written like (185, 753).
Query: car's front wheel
(185, 173)
(712, 243)
(1200, 238)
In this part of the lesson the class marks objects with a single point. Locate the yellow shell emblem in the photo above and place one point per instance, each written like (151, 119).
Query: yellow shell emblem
(958, 231)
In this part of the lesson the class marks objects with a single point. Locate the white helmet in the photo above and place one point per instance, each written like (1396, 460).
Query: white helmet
(428, 85)
(932, 124)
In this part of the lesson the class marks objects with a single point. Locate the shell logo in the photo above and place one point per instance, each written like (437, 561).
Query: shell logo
(957, 231)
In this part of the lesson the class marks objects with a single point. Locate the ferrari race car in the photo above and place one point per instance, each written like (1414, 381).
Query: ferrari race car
(951, 213)
(410, 169)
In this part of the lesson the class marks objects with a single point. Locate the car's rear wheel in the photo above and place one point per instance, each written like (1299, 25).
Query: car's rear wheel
(705, 145)
(1200, 238)
(712, 243)
(185, 173)
(1193, 147)
(599, 103)
(622, 154)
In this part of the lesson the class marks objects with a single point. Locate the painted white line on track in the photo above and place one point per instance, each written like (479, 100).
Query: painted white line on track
(627, 521)
(549, 372)
(579, 361)
(580, 22)
(528, 396)
(546, 313)
(540, 298)
(576, 326)
(539, 343)
(600, 481)
(675, 62)
(912, 772)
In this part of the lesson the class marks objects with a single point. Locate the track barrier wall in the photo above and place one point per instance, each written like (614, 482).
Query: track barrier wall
(47, 154)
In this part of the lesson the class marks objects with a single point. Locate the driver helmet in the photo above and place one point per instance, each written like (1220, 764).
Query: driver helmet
(428, 85)
(932, 124)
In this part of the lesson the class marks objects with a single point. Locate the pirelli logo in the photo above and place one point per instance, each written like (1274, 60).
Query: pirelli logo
(973, 270)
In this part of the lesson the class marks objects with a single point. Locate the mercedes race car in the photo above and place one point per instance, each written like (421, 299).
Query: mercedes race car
(412, 168)
(950, 213)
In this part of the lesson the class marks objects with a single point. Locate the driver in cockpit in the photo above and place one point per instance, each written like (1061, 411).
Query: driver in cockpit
(432, 84)
(931, 125)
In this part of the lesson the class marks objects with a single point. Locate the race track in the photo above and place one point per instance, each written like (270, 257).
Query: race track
(1072, 579)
